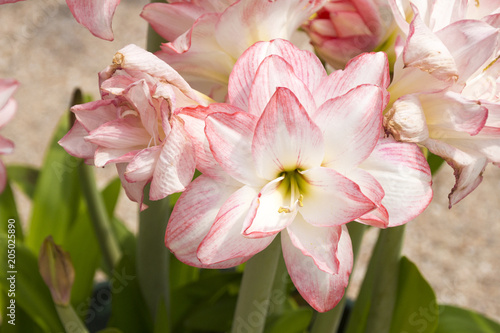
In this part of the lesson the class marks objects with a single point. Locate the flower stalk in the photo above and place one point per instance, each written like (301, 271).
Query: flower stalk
(255, 291)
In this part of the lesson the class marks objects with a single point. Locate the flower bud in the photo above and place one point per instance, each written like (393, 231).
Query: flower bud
(343, 29)
(56, 270)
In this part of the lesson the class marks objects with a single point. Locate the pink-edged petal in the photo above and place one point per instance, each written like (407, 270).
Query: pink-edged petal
(445, 12)
(471, 43)
(319, 243)
(230, 138)
(74, 144)
(306, 66)
(7, 88)
(261, 21)
(332, 199)
(351, 126)
(425, 51)
(285, 137)
(367, 68)
(93, 114)
(3, 2)
(105, 156)
(121, 133)
(225, 240)
(372, 189)
(8, 111)
(171, 20)
(266, 218)
(6, 146)
(404, 174)
(451, 112)
(95, 15)
(176, 163)
(192, 218)
(196, 54)
(468, 168)
(194, 124)
(320, 289)
(134, 191)
(272, 73)
(142, 166)
(135, 58)
(139, 96)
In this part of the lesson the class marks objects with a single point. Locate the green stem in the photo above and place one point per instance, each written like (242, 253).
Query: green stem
(375, 304)
(70, 319)
(153, 257)
(102, 226)
(153, 39)
(255, 291)
(328, 322)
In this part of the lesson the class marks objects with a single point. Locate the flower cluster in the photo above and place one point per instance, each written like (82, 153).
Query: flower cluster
(284, 148)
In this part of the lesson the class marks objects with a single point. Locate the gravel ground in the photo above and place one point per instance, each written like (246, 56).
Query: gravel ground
(43, 47)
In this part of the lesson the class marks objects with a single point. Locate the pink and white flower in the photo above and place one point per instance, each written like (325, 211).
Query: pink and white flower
(443, 95)
(8, 108)
(343, 29)
(298, 153)
(209, 36)
(137, 126)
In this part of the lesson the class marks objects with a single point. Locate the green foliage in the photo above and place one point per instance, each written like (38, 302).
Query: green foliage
(8, 211)
(57, 195)
(416, 308)
(31, 293)
(25, 177)
(457, 320)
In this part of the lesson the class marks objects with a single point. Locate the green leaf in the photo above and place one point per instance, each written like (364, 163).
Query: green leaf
(110, 196)
(57, 194)
(129, 311)
(295, 321)
(434, 161)
(416, 307)
(216, 316)
(8, 211)
(25, 177)
(181, 274)
(110, 330)
(31, 293)
(162, 325)
(23, 322)
(456, 320)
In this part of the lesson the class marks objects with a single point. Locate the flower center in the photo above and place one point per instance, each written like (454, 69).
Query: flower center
(292, 188)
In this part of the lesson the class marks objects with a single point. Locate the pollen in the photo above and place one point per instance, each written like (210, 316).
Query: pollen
(284, 210)
(301, 200)
(118, 59)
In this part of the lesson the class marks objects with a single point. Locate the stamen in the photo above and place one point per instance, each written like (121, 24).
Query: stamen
(301, 200)
(284, 210)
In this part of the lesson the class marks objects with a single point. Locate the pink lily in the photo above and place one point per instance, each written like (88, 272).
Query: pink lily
(136, 125)
(8, 108)
(218, 33)
(443, 95)
(298, 153)
(344, 29)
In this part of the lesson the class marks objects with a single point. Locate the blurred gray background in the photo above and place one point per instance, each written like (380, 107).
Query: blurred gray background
(50, 54)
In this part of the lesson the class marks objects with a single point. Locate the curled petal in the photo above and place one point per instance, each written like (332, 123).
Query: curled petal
(95, 15)
(424, 50)
(74, 144)
(403, 172)
(176, 163)
(134, 191)
(320, 289)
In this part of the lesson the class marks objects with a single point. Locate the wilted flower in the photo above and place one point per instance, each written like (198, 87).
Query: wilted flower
(8, 108)
(444, 89)
(211, 35)
(343, 29)
(136, 125)
(296, 153)
(56, 270)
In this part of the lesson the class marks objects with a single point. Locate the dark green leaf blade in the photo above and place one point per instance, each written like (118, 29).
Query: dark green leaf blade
(456, 320)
